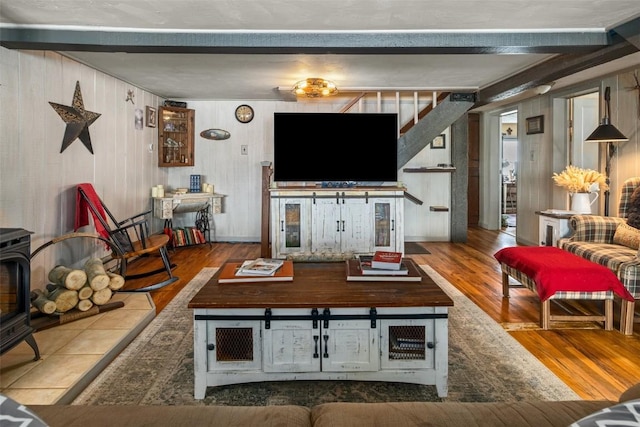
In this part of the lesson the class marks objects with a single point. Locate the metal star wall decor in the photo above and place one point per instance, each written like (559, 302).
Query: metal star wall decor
(77, 119)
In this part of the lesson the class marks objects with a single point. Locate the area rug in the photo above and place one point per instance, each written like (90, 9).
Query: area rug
(414, 248)
(485, 364)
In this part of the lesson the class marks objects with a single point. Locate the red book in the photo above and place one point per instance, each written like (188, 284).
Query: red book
(387, 260)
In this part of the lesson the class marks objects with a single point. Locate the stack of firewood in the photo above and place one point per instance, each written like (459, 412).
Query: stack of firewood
(74, 288)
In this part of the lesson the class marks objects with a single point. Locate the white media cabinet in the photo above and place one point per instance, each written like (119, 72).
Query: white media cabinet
(316, 223)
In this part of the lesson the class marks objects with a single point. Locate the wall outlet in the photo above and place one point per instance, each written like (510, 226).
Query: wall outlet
(244, 150)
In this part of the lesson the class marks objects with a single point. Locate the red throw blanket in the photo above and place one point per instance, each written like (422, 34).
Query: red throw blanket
(83, 210)
(553, 270)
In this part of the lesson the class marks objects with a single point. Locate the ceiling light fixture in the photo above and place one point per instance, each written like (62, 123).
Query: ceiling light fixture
(609, 134)
(315, 88)
(542, 89)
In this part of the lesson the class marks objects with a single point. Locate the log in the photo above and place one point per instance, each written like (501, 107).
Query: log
(35, 293)
(46, 322)
(116, 281)
(65, 299)
(69, 278)
(84, 305)
(40, 301)
(96, 274)
(85, 292)
(101, 296)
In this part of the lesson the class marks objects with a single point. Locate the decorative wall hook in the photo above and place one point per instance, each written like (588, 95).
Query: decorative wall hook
(130, 96)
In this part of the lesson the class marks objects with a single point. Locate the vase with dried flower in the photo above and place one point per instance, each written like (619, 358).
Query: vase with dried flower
(581, 183)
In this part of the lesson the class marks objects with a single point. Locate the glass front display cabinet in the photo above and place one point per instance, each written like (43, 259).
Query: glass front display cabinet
(175, 137)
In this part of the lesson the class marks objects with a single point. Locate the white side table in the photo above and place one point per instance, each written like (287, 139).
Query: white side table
(553, 225)
(166, 207)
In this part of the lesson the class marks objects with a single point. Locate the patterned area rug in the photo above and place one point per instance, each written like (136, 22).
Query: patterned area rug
(485, 364)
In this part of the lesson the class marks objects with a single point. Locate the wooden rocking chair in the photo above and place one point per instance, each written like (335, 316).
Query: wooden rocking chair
(130, 236)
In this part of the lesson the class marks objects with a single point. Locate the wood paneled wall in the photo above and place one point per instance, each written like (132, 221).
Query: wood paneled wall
(540, 155)
(37, 182)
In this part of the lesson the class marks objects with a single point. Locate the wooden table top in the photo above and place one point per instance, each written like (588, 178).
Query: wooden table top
(322, 284)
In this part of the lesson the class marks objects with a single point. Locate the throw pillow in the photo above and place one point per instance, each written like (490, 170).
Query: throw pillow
(14, 413)
(627, 236)
(622, 414)
(633, 210)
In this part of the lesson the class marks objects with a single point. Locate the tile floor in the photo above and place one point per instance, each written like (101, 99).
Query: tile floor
(73, 354)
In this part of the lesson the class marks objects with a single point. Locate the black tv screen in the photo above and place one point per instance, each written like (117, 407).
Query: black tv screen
(335, 147)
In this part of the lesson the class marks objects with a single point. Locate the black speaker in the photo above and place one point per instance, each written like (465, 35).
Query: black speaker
(467, 97)
(178, 104)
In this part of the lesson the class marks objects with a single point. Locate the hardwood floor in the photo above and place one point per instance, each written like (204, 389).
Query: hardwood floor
(596, 364)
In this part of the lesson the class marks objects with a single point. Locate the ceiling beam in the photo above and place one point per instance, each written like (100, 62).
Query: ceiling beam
(624, 41)
(409, 42)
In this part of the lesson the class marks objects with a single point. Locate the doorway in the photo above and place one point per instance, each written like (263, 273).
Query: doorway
(583, 119)
(509, 171)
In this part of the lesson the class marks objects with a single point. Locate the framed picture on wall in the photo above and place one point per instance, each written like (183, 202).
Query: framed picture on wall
(535, 125)
(152, 119)
(439, 141)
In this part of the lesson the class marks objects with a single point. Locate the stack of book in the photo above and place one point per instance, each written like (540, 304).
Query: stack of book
(194, 183)
(260, 266)
(258, 270)
(382, 266)
(187, 236)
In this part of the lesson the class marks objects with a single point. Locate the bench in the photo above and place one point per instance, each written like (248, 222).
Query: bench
(555, 274)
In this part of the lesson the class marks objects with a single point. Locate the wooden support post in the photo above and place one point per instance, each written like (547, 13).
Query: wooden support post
(265, 251)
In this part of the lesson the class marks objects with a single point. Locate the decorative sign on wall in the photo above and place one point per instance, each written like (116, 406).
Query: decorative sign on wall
(77, 119)
(137, 120)
(439, 141)
(152, 117)
(215, 134)
(534, 125)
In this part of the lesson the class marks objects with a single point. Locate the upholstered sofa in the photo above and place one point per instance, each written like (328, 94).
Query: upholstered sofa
(392, 414)
(609, 241)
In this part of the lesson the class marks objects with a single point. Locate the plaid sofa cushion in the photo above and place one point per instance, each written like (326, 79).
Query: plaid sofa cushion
(610, 255)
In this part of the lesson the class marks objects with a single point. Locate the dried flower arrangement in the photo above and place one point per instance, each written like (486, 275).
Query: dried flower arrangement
(578, 180)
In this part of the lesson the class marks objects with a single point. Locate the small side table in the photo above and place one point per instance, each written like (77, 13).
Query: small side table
(166, 207)
(553, 225)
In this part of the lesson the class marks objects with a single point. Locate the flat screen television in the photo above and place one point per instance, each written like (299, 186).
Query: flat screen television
(335, 147)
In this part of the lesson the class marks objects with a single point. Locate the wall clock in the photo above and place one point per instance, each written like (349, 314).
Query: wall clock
(244, 113)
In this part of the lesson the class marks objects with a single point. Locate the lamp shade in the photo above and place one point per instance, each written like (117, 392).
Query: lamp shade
(607, 132)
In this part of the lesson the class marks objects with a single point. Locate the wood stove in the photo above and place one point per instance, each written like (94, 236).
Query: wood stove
(15, 288)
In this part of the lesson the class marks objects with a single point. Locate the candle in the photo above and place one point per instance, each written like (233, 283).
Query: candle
(154, 191)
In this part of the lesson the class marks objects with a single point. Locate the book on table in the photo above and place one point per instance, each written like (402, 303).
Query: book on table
(386, 260)
(230, 273)
(355, 273)
(366, 265)
(260, 266)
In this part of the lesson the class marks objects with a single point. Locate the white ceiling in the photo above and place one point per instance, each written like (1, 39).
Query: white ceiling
(455, 26)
